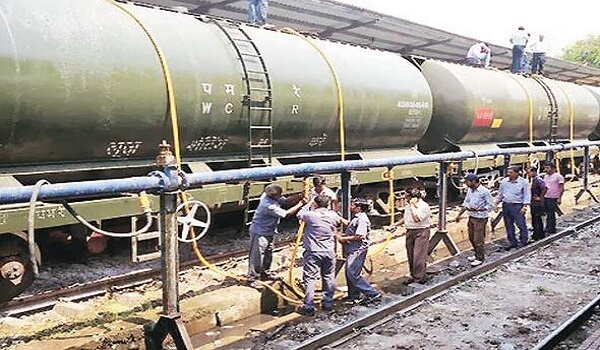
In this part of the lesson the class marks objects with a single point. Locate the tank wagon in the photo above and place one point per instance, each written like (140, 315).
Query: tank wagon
(83, 96)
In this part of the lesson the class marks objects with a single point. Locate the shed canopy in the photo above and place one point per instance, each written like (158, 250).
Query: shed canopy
(329, 19)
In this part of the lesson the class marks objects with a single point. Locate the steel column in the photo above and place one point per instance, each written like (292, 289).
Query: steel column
(442, 233)
(346, 194)
(586, 175)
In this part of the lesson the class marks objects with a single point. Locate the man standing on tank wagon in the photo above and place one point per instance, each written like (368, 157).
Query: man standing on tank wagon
(479, 203)
(515, 195)
(519, 41)
(257, 12)
(319, 252)
(262, 229)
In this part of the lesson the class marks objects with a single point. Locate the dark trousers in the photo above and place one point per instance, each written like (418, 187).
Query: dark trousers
(517, 56)
(512, 215)
(537, 65)
(537, 211)
(550, 205)
(315, 264)
(355, 259)
(417, 244)
(476, 228)
(261, 256)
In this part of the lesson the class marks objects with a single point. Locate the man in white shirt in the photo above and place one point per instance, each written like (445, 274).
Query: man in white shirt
(539, 49)
(479, 55)
(519, 41)
(319, 188)
(417, 222)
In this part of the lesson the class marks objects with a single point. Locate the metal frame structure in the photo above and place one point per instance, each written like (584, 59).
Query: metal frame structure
(167, 182)
(329, 19)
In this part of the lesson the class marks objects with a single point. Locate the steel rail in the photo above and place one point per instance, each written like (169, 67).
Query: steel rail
(46, 300)
(569, 326)
(374, 316)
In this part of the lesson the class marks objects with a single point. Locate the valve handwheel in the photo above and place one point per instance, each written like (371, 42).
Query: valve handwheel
(186, 216)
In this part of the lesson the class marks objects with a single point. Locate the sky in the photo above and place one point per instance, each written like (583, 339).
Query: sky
(562, 22)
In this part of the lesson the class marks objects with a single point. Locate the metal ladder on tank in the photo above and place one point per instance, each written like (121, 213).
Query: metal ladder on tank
(258, 103)
(552, 112)
(143, 237)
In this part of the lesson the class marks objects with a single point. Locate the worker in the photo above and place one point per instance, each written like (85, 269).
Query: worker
(257, 12)
(478, 202)
(538, 191)
(539, 49)
(555, 184)
(355, 244)
(515, 196)
(319, 252)
(416, 219)
(320, 189)
(262, 229)
(519, 41)
(479, 55)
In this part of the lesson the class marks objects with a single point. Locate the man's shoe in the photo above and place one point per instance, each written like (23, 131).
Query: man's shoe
(269, 276)
(509, 247)
(471, 258)
(306, 311)
(255, 284)
(476, 262)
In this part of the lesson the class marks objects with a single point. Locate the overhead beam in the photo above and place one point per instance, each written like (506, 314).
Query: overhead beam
(354, 24)
(202, 9)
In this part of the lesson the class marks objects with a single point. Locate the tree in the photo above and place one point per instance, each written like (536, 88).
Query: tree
(586, 52)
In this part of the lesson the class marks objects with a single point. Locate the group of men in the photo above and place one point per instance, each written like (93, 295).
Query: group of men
(480, 54)
(520, 41)
(516, 195)
(323, 228)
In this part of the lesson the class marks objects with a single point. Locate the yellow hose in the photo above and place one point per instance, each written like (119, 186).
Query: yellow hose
(299, 235)
(338, 88)
(177, 148)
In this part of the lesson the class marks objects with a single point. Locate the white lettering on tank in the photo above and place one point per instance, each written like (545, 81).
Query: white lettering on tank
(230, 89)
(121, 149)
(411, 104)
(207, 143)
(296, 91)
(295, 109)
(207, 88)
(206, 107)
(229, 108)
(317, 141)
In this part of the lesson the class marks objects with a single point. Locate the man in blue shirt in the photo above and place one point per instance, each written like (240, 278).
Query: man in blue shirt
(478, 202)
(515, 195)
(319, 252)
(355, 244)
(264, 226)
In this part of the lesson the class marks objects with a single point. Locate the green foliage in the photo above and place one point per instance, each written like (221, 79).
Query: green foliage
(586, 52)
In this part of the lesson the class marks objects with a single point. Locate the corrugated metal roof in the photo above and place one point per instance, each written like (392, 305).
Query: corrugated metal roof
(336, 21)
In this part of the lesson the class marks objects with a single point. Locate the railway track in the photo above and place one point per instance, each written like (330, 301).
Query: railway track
(379, 322)
(46, 300)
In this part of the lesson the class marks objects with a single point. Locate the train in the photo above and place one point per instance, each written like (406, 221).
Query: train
(84, 95)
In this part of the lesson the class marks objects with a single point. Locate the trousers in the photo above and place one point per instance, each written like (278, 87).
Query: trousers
(550, 205)
(417, 244)
(315, 264)
(512, 215)
(261, 256)
(476, 228)
(355, 258)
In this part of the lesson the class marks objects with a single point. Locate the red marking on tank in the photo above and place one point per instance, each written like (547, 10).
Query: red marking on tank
(483, 117)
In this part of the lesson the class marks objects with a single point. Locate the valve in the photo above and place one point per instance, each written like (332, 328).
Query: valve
(185, 214)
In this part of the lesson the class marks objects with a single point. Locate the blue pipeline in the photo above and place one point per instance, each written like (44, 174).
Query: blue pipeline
(170, 181)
